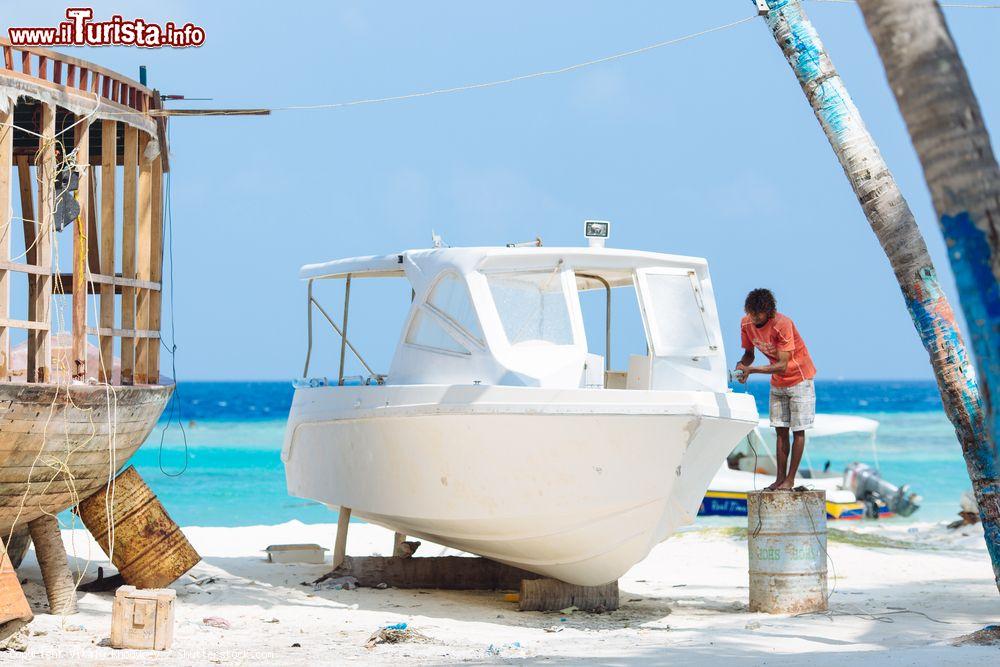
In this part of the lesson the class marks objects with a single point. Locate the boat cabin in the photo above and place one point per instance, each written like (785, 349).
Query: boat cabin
(512, 316)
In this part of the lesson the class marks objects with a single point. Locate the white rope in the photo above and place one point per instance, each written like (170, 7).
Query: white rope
(522, 77)
(949, 5)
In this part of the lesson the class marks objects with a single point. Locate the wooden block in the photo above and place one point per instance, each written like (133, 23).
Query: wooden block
(143, 619)
(553, 595)
(456, 573)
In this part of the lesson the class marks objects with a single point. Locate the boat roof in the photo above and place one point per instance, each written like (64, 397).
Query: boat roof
(614, 265)
(827, 425)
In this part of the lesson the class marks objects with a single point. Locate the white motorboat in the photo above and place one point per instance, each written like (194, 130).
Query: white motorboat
(496, 432)
(856, 492)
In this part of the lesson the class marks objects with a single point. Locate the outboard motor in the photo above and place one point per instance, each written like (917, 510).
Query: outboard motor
(869, 487)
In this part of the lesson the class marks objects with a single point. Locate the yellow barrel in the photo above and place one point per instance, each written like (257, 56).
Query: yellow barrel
(150, 551)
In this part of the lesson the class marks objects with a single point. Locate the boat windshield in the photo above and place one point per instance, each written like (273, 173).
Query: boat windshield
(532, 306)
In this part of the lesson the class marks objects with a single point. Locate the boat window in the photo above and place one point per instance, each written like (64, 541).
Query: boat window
(427, 331)
(450, 298)
(677, 319)
(532, 306)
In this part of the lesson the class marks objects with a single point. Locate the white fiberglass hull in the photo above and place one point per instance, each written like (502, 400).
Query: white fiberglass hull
(574, 484)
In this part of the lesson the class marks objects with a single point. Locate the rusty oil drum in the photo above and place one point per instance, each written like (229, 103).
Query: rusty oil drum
(150, 551)
(787, 544)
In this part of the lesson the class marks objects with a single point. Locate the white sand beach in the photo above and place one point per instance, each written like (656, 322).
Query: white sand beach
(904, 593)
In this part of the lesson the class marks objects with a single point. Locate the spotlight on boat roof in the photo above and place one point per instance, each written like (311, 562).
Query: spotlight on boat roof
(596, 231)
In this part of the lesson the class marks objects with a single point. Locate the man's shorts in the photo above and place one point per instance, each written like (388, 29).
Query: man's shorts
(794, 407)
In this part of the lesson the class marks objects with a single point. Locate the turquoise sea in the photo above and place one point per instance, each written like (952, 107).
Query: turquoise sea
(234, 432)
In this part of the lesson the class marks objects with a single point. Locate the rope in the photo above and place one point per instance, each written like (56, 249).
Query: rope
(949, 5)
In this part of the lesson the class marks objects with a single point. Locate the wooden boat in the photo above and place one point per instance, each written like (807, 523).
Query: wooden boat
(499, 430)
(73, 412)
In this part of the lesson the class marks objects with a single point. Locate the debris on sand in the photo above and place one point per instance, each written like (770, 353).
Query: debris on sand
(988, 636)
(395, 634)
(16, 641)
(217, 622)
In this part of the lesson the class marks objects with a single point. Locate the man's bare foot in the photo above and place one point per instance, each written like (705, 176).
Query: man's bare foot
(774, 487)
(784, 485)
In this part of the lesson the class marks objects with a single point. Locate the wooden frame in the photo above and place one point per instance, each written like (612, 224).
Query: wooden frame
(95, 233)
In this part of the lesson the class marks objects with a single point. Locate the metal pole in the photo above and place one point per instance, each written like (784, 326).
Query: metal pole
(309, 325)
(343, 334)
(339, 333)
(607, 318)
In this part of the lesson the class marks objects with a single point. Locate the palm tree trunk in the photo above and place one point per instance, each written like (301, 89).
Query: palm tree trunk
(946, 126)
(892, 221)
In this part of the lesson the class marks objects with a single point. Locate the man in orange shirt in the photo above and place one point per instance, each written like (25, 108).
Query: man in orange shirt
(793, 397)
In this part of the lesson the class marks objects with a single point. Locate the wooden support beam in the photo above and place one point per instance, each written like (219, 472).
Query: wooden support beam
(59, 585)
(80, 247)
(93, 227)
(398, 540)
(6, 161)
(109, 149)
(128, 250)
(143, 264)
(156, 268)
(340, 544)
(30, 249)
(46, 174)
(456, 573)
(552, 595)
(66, 279)
(122, 333)
(24, 324)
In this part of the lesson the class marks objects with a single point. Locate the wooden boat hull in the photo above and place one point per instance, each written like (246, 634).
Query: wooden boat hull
(55, 448)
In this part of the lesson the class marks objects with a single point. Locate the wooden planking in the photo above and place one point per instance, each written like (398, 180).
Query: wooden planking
(80, 251)
(109, 148)
(46, 171)
(128, 250)
(78, 409)
(156, 269)
(6, 159)
(143, 264)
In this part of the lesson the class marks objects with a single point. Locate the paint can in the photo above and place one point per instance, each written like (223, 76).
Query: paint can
(150, 551)
(787, 545)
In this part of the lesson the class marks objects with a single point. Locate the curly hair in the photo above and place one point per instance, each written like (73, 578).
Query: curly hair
(760, 300)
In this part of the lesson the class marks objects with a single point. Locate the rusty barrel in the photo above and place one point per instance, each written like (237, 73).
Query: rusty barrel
(787, 545)
(150, 551)
(14, 609)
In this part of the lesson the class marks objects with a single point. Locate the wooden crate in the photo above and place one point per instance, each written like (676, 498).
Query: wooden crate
(143, 619)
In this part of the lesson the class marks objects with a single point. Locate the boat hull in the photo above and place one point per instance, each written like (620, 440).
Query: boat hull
(55, 448)
(578, 485)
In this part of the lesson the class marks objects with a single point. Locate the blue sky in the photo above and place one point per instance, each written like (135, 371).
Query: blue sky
(705, 148)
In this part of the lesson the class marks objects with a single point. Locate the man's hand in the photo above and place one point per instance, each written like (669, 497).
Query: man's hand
(745, 371)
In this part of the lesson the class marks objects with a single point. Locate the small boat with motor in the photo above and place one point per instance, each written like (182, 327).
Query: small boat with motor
(856, 493)
(498, 432)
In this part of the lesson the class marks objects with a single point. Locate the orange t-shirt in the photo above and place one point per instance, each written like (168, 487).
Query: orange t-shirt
(780, 335)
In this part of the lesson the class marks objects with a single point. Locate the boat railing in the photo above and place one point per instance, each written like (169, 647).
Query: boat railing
(117, 238)
(345, 343)
(38, 64)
